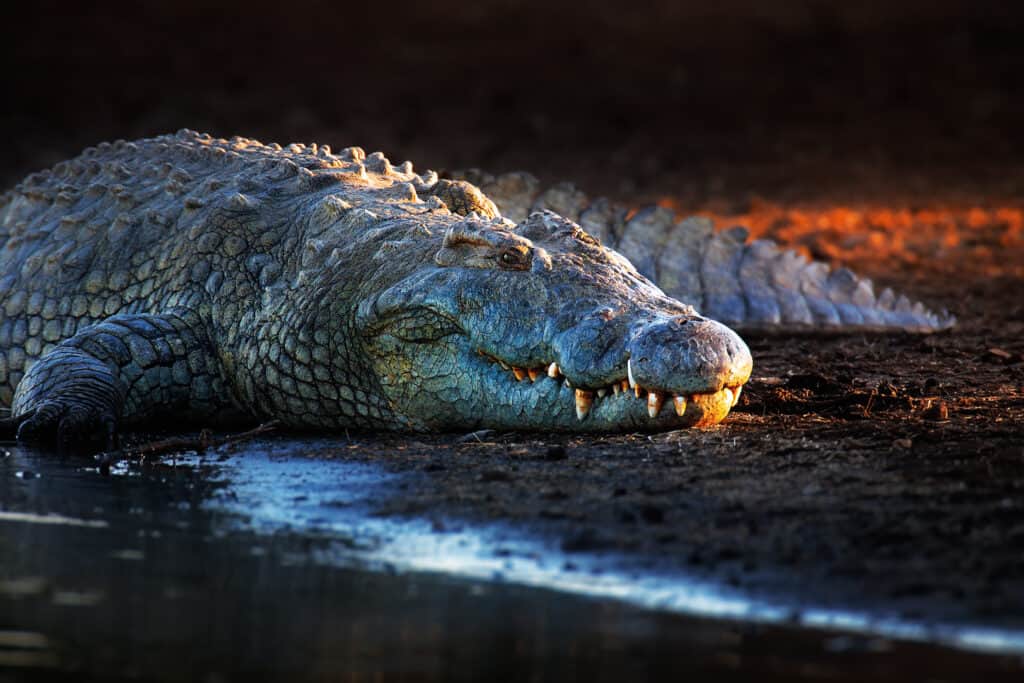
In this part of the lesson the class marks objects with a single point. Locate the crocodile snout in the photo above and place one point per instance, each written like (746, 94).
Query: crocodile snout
(688, 355)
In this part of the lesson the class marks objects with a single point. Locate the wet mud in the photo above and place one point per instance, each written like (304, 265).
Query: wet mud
(282, 559)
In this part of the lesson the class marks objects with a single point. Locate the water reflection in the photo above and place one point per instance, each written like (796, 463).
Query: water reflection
(269, 561)
(336, 499)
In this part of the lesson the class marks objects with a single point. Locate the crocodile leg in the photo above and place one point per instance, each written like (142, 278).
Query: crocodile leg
(127, 368)
(748, 285)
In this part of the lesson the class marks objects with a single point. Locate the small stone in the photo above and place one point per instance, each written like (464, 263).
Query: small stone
(937, 411)
(887, 389)
(495, 475)
(554, 453)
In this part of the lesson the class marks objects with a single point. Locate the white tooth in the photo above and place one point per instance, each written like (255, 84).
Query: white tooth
(727, 393)
(629, 372)
(679, 403)
(616, 388)
(568, 384)
(601, 392)
(736, 395)
(505, 365)
(553, 370)
(584, 399)
(654, 401)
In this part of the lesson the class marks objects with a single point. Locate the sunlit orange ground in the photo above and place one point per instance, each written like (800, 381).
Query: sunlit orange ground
(978, 240)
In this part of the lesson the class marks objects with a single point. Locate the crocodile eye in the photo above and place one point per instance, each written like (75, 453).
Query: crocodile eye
(513, 259)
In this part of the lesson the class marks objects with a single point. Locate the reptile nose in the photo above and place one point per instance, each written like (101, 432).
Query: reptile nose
(688, 354)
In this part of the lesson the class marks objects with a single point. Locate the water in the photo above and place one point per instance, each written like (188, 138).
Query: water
(268, 561)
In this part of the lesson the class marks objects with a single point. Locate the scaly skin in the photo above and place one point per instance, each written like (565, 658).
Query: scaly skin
(184, 277)
(750, 286)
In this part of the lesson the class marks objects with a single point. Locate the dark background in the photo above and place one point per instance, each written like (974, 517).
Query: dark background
(736, 97)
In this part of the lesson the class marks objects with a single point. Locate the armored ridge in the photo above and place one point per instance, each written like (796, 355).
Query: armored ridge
(748, 285)
(224, 279)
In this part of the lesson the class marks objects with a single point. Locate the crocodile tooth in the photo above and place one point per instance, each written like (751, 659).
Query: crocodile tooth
(504, 365)
(553, 370)
(654, 401)
(679, 403)
(584, 399)
(624, 385)
(616, 388)
(568, 384)
(520, 373)
(534, 373)
(629, 373)
(736, 395)
(727, 393)
(601, 392)
(637, 390)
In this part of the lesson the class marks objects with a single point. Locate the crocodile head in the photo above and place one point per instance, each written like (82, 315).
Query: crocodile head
(539, 327)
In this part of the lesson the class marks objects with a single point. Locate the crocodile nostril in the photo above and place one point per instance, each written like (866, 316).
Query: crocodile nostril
(688, 354)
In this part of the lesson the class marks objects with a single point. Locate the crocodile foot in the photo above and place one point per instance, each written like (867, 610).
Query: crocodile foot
(71, 427)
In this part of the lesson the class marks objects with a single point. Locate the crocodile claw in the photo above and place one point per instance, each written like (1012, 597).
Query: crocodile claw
(71, 427)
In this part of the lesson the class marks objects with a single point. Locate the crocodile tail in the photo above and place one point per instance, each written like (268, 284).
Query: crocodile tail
(755, 285)
(749, 285)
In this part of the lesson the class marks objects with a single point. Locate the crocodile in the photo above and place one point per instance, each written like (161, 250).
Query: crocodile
(186, 278)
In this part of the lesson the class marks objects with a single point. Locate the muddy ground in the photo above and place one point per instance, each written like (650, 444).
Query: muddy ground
(884, 470)
(886, 473)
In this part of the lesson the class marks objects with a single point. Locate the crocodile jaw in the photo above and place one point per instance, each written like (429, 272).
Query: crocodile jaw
(492, 394)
